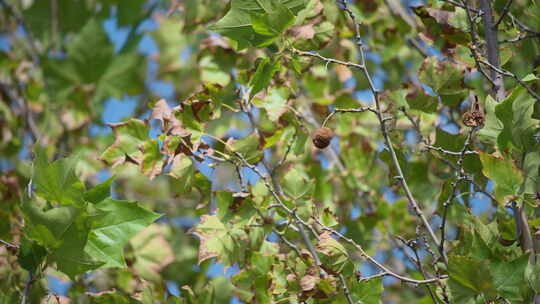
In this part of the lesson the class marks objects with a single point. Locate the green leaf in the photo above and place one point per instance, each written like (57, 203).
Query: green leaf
(531, 172)
(297, 184)
(212, 72)
(275, 102)
(48, 227)
(469, 278)
(333, 255)
(31, 255)
(532, 275)
(505, 175)
(530, 77)
(418, 99)
(111, 298)
(182, 168)
(70, 256)
(248, 147)
(264, 73)
(112, 226)
(443, 77)
(57, 182)
(515, 113)
(262, 264)
(237, 23)
(328, 218)
(216, 240)
(493, 126)
(91, 61)
(367, 292)
(99, 192)
(39, 17)
(509, 278)
(276, 19)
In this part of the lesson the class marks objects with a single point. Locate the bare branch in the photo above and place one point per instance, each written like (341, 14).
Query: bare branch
(490, 32)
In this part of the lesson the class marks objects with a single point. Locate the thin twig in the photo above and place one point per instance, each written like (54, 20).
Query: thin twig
(504, 72)
(459, 178)
(441, 284)
(299, 222)
(355, 110)
(464, 6)
(346, 291)
(8, 244)
(413, 245)
(386, 271)
(451, 153)
(505, 11)
(326, 59)
(344, 6)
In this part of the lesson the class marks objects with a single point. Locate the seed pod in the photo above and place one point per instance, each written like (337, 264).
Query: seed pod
(322, 137)
(473, 119)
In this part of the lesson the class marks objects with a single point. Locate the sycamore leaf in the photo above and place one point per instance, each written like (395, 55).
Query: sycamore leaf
(367, 292)
(442, 76)
(152, 251)
(332, 254)
(264, 73)
(57, 182)
(114, 224)
(152, 161)
(99, 192)
(257, 23)
(217, 240)
(505, 175)
(129, 135)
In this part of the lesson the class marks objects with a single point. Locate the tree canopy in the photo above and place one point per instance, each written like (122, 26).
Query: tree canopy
(269, 151)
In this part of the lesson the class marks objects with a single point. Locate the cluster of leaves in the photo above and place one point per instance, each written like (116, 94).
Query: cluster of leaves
(410, 203)
(78, 229)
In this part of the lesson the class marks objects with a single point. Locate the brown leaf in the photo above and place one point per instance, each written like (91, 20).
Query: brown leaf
(177, 129)
(343, 72)
(304, 32)
(214, 42)
(162, 112)
(308, 282)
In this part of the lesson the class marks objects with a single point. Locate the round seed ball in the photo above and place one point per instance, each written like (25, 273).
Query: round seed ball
(322, 137)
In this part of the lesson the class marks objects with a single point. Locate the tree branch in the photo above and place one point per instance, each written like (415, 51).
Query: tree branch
(492, 46)
(505, 11)
(344, 6)
(459, 177)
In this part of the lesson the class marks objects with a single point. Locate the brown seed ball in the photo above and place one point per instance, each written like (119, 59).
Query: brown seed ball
(322, 137)
(473, 119)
